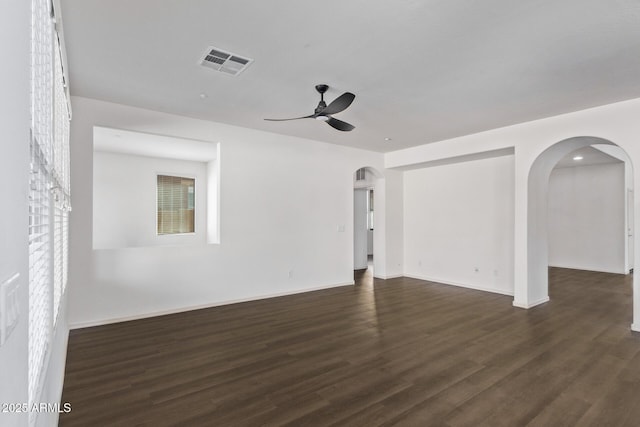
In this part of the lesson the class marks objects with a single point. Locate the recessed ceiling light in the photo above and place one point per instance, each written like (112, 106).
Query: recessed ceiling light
(387, 139)
(578, 158)
(203, 95)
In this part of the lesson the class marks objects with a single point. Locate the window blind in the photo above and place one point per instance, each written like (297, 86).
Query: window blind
(49, 192)
(176, 203)
(41, 149)
(61, 183)
(39, 266)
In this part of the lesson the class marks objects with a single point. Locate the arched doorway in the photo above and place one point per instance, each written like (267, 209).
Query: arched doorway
(368, 216)
(537, 239)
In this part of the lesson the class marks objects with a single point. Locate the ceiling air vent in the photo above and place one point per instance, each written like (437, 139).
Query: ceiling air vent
(226, 62)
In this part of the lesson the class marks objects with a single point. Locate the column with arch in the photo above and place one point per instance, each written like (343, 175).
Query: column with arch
(531, 259)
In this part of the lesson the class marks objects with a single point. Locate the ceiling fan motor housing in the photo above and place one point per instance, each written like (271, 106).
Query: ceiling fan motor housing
(322, 88)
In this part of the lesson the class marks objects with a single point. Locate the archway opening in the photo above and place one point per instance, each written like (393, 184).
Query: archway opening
(544, 226)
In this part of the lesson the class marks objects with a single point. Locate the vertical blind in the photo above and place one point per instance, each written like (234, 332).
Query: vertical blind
(49, 192)
(61, 185)
(176, 203)
(39, 195)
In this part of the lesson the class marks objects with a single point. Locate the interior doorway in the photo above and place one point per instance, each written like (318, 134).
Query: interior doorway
(360, 229)
(587, 222)
(630, 230)
(366, 186)
(534, 290)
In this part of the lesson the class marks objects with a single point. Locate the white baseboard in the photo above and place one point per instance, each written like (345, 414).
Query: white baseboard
(530, 305)
(393, 276)
(460, 285)
(89, 324)
(635, 327)
(583, 268)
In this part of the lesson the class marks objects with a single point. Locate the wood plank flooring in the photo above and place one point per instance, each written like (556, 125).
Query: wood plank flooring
(399, 352)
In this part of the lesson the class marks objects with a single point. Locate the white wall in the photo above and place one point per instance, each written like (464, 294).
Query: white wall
(213, 201)
(458, 221)
(360, 230)
(389, 215)
(124, 200)
(15, 19)
(621, 155)
(616, 123)
(586, 218)
(282, 202)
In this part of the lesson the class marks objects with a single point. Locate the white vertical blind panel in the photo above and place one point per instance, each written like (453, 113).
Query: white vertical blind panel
(65, 249)
(39, 267)
(57, 262)
(60, 190)
(61, 125)
(42, 75)
(42, 147)
(49, 194)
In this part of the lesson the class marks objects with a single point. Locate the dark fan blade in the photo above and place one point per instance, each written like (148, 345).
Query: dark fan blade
(340, 125)
(295, 118)
(339, 104)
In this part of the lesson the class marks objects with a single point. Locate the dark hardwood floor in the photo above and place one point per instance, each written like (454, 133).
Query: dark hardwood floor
(397, 352)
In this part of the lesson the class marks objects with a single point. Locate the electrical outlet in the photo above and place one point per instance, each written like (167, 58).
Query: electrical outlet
(9, 307)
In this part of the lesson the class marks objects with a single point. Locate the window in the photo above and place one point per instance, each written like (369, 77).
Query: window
(49, 192)
(176, 204)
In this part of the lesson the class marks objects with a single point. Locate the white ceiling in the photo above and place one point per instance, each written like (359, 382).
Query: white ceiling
(422, 70)
(590, 156)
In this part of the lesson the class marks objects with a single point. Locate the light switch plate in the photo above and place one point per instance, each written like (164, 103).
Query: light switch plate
(9, 307)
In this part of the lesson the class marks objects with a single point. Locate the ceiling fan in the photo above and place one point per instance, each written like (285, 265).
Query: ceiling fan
(323, 111)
